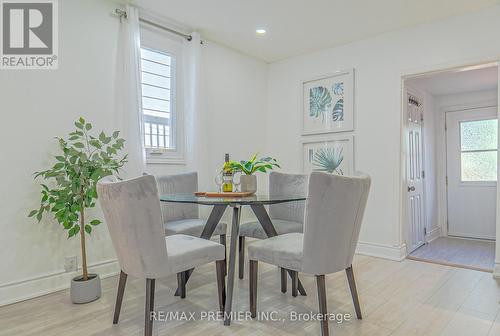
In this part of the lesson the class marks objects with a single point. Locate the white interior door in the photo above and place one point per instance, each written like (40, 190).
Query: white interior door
(471, 157)
(414, 174)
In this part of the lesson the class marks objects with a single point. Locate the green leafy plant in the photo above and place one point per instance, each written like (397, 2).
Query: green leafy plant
(71, 187)
(254, 165)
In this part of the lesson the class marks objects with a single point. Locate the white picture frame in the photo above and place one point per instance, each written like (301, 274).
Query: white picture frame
(328, 103)
(332, 150)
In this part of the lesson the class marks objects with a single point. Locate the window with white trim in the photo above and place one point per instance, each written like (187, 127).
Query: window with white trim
(478, 150)
(160, 87)
(157, 99)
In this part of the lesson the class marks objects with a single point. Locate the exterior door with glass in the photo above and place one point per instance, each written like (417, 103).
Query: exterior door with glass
(471, 153)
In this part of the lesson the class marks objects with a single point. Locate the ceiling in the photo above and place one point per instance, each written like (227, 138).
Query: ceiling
(459, 81)
(296, 27)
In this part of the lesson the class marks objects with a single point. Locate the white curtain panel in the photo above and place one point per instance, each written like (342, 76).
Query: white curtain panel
(128, 102)
(194, 116)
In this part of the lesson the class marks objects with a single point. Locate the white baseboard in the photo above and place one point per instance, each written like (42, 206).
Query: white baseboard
(433, 234)
(396, 253)
(496, 270)
(49, 283)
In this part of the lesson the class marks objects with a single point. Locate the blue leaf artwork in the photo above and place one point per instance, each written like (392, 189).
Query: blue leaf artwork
(338, 107)
(338, 110)
(338, 89)
(328, 160)
(320, 101)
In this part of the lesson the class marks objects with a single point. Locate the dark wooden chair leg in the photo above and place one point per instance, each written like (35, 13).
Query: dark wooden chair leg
(320, 281)
(354, 292)
(241, 256)
(150, 304)
(253, 287)
(221, 283)
(222, 241)
(119, 296)
(283, 279)
(295, 277)
(181, 284)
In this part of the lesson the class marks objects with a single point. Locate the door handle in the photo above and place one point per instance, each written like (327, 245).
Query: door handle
(412, 188)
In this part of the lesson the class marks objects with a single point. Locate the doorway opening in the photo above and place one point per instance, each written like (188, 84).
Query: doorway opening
(451, 146)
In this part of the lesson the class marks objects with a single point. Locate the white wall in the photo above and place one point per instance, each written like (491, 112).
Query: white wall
(235, 99)
(38, 105)
(379, 63)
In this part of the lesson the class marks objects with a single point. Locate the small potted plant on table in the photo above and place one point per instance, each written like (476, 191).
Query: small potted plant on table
(84, 159)
(248, 168)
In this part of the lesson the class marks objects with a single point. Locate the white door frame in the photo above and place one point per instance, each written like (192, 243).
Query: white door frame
(425, 71)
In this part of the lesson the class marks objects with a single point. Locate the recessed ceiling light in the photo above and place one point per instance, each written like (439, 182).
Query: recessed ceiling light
(260, 31)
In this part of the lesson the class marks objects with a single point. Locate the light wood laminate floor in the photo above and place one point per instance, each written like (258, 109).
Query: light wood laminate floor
(397, 298)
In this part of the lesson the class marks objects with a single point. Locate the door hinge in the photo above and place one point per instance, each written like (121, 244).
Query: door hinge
(425, 231)
(446, 180)
(423, 173)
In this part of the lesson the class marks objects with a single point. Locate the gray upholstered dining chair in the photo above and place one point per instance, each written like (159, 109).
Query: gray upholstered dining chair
(286, 217)
(334, 212)
(184, 218)
(133, 216)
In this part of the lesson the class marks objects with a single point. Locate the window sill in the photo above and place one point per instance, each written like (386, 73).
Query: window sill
(165, 160)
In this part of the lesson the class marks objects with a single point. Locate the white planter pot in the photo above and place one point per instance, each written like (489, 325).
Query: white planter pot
(248, 183)
(85, 291)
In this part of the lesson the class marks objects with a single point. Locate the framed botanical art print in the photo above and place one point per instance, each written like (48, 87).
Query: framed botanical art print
(328, 103)
(334, 156)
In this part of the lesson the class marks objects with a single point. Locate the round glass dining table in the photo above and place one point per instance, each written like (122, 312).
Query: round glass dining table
(257, 204)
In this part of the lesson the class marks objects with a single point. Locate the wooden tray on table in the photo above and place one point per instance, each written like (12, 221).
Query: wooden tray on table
(223, 194)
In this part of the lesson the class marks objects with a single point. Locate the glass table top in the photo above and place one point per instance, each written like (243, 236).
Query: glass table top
(251, 200)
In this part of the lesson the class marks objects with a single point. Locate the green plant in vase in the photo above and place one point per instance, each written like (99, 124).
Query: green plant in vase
(248, 168)
(70, 190)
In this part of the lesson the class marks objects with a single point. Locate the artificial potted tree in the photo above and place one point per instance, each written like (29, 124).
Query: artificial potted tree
(71, 190)
(248, 179)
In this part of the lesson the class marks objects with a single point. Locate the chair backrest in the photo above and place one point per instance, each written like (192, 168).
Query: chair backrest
(334, 212)
(178, 184)
(288, 184)
(132, 213)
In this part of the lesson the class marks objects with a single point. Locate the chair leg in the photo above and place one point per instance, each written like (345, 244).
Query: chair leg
(354, 292)
(241, 259)
(181, 284)
(283, 279)
(221, 283)
(119, 296)
(253, 287)
(295, 278)
(222, 241)
(150, 303)
(320, 281)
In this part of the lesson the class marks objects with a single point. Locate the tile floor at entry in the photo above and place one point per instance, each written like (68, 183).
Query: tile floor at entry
(468, 253)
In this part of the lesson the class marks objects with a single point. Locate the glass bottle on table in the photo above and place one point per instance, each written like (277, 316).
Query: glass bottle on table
(227, 175)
